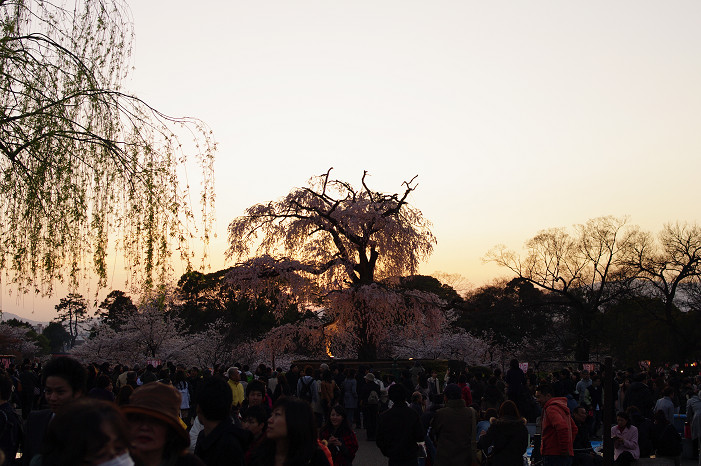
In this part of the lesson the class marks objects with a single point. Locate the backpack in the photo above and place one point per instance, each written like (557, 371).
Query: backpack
(373, 398)
(306, 392)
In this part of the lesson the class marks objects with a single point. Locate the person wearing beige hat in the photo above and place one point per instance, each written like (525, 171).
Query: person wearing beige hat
(158, 435)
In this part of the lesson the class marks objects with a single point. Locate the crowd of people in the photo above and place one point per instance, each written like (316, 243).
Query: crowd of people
(171, 415)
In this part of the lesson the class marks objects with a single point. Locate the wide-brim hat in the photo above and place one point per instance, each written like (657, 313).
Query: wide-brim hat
(159, 401)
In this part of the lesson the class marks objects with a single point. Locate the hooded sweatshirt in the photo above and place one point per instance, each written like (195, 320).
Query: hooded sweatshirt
(559, 429)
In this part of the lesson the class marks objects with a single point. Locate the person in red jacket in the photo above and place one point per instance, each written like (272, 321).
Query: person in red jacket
(558, 428)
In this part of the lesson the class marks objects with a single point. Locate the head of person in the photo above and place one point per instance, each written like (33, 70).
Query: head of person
(397, 394)
(214, 399)
(153, 414)
(513, 364)
(86, 432)
(104, 382)
(64, 381)
(585, 374)
(490, 413)
(580, 414)
(124, 395)
(622, 419)
(233, 374)
(508, 409)
(452, 391)
(255, 393)
(292, 424)
(543, 393)
(338, 417)
(255, 420)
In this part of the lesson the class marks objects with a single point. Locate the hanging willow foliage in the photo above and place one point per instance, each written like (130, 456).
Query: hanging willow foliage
(83, 162)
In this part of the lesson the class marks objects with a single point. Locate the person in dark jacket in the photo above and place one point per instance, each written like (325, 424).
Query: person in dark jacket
(399, 429)
(64, 381)
(665, 438)
(640, 396)
(220, 442)
(584, 454)
(645, 428)
(506, 440)
(453, 428)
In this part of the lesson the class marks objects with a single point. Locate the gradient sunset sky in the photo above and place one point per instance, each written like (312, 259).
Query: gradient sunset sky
(515, 115)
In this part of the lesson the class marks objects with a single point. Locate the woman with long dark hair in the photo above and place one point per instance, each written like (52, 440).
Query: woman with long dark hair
(339, 437)
(506, 440)
(291, 437)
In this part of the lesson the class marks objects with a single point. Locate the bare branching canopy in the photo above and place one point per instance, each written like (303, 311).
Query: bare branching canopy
(337, 231)
(330, 244)
(83, 161)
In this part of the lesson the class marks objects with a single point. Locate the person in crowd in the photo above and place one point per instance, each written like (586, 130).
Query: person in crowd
(434, 384)
(493, 397)
(465, 387)
(64, 381)
(558, 428)
(625, 440)
(158, 435)
(417, 403)
(582, 386)
(256, 422)
(645, 427)
(399, 429)
(453, 428)
(102, 389)
(506, 440)
(183, 386)
(148, 376)
(123, 395)
(237, 391)
(328, 393)
(292, 377)
(220, 442)
(291, 437)
(584, 454)
(256, 395)
(693, 417)
(666, 440)
(10, 421)
(516, 385)
(282, 388)
(307, 389)
(639, 394)
(665, 404)
(350, 395)
(370, 404)
(485, 421)
(86, 432)
(339, 437)
(28, 381)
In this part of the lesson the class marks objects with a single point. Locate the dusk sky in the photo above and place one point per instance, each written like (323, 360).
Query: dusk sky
(516, 116)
